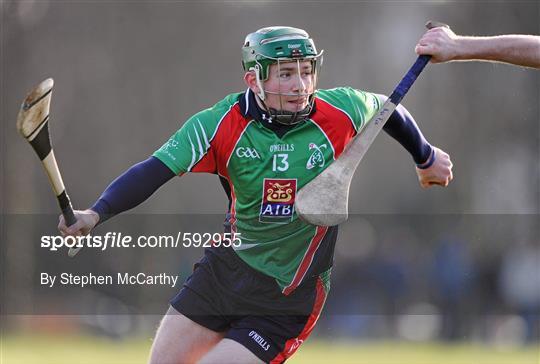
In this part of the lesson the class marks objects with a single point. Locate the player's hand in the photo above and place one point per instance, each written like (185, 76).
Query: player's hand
(86, 220)
(439, 173)
(441, 43)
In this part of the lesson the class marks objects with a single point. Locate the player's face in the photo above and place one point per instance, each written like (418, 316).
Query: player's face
(289, 85)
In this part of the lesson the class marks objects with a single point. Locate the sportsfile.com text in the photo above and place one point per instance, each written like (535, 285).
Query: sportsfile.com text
(120, 240)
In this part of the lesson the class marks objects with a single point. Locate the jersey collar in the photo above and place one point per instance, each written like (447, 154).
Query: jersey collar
(251, 110)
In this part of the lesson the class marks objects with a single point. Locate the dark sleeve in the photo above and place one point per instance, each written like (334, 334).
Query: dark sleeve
(132, 188)
(402, 127)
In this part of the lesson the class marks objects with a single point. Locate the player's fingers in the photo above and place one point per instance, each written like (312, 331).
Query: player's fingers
(61, 223)
(422, 48)
(429, 51)
(446, 163)
(432, 24)
(447, 166)
(75, 229)
(426, 185)
(429, 181)
(446, 181)
(443, 180)
(74, 232)
(439, 183)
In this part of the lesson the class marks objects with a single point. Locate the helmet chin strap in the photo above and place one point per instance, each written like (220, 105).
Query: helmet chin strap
(261, 93)
(286, 117)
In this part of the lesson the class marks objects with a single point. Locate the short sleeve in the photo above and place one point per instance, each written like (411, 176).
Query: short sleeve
(189, 149)
(359, 106)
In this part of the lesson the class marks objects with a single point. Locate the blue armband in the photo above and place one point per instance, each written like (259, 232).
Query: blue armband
(429, 162)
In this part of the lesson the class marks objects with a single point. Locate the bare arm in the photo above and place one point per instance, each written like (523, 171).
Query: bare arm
(444, 46)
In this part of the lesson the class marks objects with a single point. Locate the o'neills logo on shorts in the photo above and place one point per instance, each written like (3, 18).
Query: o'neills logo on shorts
(278, 200)
(259, 340)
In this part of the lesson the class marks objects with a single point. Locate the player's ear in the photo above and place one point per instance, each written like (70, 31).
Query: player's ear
(251, 81)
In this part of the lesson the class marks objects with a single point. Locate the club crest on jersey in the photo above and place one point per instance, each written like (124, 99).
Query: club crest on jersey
(171, 144)
(167, 147)
(316, 159)
(278, 200)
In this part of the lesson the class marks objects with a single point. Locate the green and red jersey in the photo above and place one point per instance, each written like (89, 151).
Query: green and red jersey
(264, 172)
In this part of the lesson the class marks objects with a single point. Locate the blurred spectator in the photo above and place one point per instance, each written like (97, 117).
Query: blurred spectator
(519, 283)
(452, 274)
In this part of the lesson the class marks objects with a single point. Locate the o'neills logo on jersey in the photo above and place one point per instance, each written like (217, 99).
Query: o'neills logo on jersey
(278, 200)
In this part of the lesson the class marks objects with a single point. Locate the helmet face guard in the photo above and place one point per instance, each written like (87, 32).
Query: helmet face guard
(279, 45)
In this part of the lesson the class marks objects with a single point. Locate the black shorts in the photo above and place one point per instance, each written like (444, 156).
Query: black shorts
(224, 294)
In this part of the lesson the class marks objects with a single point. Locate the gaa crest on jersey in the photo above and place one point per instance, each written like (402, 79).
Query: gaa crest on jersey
(278, 200)
(316, 159)
(247, 152)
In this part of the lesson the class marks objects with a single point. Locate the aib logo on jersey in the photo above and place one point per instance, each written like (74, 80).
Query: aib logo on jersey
(278, 200)
(316, 159)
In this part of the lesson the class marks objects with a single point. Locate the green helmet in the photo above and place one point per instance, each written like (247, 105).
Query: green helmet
(276, 45)
(268, 45)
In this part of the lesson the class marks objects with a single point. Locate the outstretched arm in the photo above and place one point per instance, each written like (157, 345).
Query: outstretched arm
(433, 166)
(444, 46)
(127, 191)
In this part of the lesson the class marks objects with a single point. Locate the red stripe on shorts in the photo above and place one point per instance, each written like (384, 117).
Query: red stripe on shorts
(293, 344)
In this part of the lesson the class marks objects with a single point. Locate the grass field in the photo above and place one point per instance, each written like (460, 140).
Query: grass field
(53, 349)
